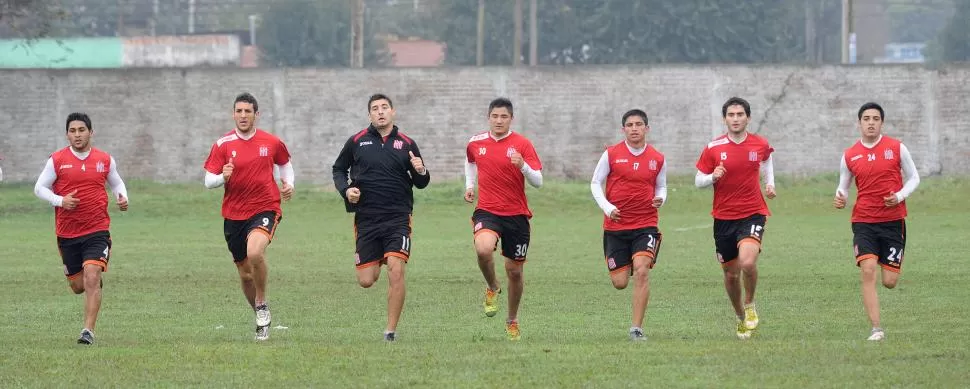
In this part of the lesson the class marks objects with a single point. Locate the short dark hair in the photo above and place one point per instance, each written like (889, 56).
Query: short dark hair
(736, 101)
(501, 102)
(379, 96)
(634, 112)
(78, 116)
(246, 97)
(871, 105)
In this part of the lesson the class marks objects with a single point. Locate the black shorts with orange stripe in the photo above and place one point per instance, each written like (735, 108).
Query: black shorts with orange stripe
(93, 248)
(883, 241)
(237, 231)
(620, 247)
(729, 234)
(381, 236)
(514, 232)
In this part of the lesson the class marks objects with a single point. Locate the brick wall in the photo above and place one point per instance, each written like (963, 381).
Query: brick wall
(160, 123)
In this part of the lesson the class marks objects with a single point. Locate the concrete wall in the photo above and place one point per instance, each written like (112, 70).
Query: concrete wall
(180, 51)
(160, 123)
(112, 52)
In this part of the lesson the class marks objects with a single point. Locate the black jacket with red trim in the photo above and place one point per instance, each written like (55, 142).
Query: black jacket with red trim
(381, 168)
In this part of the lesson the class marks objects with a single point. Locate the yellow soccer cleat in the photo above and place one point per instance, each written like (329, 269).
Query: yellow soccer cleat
(491, 307)
(743, 331)
(512, 330)
(750, 317)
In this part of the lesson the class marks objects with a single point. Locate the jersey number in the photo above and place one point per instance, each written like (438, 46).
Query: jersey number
(265, 222)
(636, 165)
(405, 244)
(521, 249)
(651, 242)
(756, 230)
(895, 256)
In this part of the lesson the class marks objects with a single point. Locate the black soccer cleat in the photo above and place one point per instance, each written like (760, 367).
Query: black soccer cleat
(87, 337)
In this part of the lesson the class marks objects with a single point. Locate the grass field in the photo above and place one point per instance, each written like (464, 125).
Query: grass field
(173, 314)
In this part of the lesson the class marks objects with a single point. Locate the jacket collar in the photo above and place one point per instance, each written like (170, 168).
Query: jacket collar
(373, 131)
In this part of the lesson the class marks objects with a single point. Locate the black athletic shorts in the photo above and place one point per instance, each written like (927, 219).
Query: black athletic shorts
(237, 231)
(381, 236)
(620, 247)
(728, 235)
(93, 248)
(883, 241)
(514, 232)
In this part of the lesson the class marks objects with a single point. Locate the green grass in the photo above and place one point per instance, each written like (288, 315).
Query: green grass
(173, 314)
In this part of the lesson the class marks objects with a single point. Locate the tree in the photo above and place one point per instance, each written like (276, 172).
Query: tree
(634, 31)
(313, 33)
(954, 40)
(918, 20)
(30, 19)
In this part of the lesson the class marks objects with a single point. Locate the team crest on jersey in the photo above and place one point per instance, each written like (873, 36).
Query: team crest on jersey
(509, 152)
(263, 151)
(99, 167)
(888, 154)
(724, 155)
(653, 164)
(398, 144)
(753, 156)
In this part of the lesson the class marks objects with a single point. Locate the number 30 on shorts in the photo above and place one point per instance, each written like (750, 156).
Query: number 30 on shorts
(521, 249)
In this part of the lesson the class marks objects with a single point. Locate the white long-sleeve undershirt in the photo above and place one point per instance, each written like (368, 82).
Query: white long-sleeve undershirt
(602, 171)
(287, 175)
(43, 188)
(767, 170)
(910, 174)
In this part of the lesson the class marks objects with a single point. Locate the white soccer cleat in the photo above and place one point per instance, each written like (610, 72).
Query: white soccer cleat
(263, 317)
(262, 333)
(877, 335)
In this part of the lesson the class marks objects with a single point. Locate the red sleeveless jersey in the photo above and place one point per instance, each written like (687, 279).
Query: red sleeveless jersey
(877, 173)
(631, 185)
(86, 176)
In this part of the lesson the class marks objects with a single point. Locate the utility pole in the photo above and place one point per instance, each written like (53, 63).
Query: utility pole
(480, 44)
(846, 29)
(533, 34)
(517, 44)
(357, 34)
(810, 34)
(191, 16)
(154, 21)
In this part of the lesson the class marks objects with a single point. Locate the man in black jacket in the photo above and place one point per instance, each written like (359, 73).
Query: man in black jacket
(383, 165)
